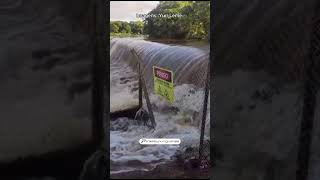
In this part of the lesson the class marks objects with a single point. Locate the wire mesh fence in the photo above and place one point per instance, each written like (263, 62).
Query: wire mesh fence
(205, 162)
(166, 86)
(200, 116)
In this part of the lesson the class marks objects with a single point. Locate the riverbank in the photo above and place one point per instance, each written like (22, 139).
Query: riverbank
(125, 35)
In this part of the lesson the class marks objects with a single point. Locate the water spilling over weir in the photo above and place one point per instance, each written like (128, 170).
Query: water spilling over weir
(181, 119)
(189, 64)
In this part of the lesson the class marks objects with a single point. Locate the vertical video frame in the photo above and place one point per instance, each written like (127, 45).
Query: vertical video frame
(159, 89)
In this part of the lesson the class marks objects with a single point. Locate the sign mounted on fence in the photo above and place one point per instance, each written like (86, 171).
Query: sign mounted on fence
(163, 83)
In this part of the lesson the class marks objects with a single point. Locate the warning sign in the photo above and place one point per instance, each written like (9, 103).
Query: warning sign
(163, 83)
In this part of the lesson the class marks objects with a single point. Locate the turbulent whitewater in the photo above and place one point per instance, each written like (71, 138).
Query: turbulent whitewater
(178, 120)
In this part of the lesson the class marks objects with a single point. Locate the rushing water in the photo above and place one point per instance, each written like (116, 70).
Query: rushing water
(189, 64)
(181, 119)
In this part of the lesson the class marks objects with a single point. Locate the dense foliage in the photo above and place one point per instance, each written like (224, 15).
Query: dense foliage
(194, 22)
(133, 27)
(172, 20)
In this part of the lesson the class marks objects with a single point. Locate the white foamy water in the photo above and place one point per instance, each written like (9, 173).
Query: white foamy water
(122, 82)
(181, 119)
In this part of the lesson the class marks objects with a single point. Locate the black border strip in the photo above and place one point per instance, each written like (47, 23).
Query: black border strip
(212, 95)
(107, 86)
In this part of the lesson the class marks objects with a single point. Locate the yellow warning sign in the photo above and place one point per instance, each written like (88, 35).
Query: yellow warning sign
(163, 83)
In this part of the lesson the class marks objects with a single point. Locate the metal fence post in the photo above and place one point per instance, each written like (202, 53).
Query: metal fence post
(140, 87)
(204, 114)
(146, 95)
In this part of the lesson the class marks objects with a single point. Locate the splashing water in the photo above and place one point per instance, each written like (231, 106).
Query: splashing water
(178, 120)
(188, 64)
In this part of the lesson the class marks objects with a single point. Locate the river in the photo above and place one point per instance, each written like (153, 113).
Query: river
(181, 119)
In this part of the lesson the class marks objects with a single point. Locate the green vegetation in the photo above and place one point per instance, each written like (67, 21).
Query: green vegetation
(188, 20)
(193, 24)
(123, 28)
